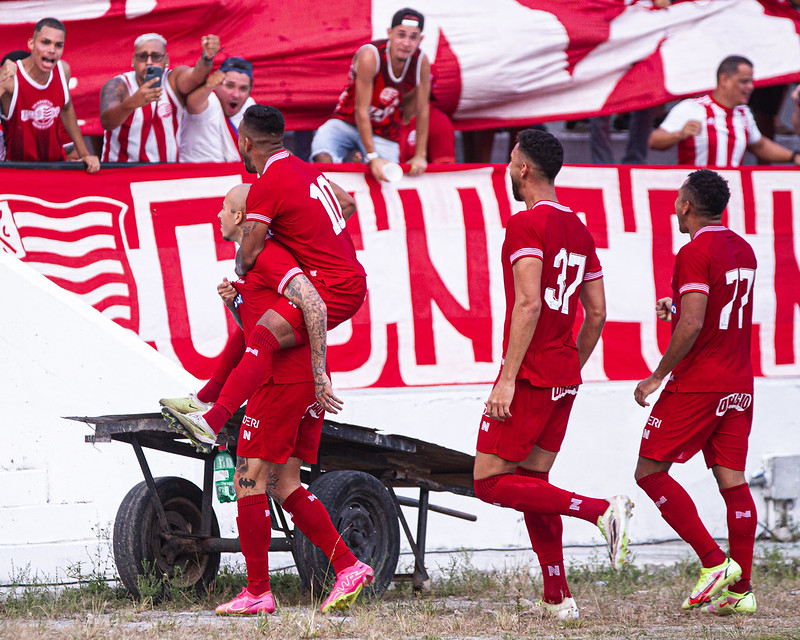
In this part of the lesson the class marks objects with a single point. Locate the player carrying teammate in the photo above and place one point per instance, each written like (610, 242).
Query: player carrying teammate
(549, 267)
(708, 401)
(281, 427)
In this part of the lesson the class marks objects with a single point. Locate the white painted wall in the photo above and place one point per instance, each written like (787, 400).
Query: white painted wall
(59, 357)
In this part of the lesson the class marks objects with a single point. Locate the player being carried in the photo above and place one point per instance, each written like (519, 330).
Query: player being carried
(294, 203)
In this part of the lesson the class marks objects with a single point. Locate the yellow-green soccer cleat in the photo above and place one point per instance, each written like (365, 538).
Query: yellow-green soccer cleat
(712, 580)
(192, 426)
(187, 404)
(613, 525)
(729, 602)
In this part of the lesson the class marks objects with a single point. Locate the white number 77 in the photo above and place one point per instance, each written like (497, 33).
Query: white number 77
(734, 276)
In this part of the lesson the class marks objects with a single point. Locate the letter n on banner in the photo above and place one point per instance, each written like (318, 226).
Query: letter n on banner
(427, 287)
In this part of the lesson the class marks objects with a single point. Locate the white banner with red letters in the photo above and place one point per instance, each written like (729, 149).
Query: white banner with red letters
(143, 246)
(496, 63)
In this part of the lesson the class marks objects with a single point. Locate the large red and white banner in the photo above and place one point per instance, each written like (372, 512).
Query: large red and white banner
(497, 63)
(143, 246)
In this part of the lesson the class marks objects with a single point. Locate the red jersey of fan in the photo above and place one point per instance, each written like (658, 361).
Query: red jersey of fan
(553, 234)
(33, 118)
(385, 108)
(261, 289)
(298, 204)
(721, 265)
(724, 136)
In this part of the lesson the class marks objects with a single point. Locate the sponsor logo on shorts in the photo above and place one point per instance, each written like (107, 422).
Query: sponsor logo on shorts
(553, 571)
(575, 504)
(246, 435)
(743, 514)
(485, 424)
(561, 392)
(738, 401)
(661, 501)
(654, 422)
(247, 421)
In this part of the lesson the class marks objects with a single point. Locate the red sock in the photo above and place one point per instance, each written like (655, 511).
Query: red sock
(311, 517)
(742, 524)
(255, 533)
(545, 534)
(680, 513)
(230, 357)
(535, 495)
(252, 370)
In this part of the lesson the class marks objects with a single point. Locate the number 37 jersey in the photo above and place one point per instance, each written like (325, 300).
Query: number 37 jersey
(721, 265)
(552, 233)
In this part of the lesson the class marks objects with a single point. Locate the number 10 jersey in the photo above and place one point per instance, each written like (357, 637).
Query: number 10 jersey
(720, 264)
(552, 233)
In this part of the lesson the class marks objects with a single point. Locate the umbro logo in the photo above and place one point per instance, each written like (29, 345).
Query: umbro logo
(743, 514)
(661, 501)
(485, 424)
(251, 350)
(553, 571)
(575, 504)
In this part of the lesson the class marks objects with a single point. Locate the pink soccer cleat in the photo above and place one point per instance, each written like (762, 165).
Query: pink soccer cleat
(246, 604)
(348, 585)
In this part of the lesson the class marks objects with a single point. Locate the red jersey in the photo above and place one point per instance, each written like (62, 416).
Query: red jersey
(298, 204)
(386, 105)
(552, 233)
(720, 264)
(33, 118)
(724, 136)
(259, 290)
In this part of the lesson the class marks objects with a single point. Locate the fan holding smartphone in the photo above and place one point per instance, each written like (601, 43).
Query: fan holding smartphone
(141, 109)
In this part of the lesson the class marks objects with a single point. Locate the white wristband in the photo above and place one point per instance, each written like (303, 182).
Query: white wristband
(372, 155)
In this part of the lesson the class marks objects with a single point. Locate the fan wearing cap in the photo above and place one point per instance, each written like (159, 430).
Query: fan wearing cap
(209, 131)
(385, 75)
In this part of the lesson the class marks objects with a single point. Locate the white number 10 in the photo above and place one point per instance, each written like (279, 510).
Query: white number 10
(734, 276)
(323, 192)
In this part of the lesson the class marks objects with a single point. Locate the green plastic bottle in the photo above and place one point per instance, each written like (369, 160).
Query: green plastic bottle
(224, 469)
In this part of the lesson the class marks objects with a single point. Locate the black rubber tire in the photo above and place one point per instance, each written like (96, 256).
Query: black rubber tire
(365, 515)
(139, 547)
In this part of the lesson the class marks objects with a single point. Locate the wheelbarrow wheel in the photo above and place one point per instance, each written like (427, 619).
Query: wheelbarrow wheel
(365, 515)
(142, 551)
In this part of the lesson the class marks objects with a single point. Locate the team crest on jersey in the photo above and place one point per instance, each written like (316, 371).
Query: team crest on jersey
(164, 110)
(389, 95)
(42, 115)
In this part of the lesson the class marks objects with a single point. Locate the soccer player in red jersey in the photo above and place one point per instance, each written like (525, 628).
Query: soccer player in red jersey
(281, 427)
(549, 267)
(34, 96)
(294, 203)
(707, 404)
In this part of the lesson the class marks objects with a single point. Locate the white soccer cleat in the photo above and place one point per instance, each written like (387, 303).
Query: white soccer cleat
(192, 426)
(187, 404)
(614, 526)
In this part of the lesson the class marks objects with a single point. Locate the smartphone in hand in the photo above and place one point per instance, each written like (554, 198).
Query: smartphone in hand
(153, 72)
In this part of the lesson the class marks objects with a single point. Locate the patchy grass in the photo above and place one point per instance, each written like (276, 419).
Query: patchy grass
(464, 602)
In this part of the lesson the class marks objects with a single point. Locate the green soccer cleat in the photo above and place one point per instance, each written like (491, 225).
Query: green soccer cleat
(712, 580)
(188, 404)
(729, 602)
(613, 525)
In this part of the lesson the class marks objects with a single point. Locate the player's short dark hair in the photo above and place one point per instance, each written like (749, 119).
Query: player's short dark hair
(263, 119)
(53, 23)
(543, 149)
(731, 65)
(708, 192)
(409, 15)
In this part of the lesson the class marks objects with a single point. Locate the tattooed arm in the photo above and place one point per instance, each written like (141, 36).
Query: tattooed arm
(302, 293)
(253, 236)
(116, 104)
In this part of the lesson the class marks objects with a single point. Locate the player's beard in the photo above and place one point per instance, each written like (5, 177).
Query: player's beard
(248, 164)
(515, 190)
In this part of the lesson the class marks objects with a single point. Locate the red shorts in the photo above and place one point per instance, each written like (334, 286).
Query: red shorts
(539, 417)
(343, 297)
(282, 421)
(681, 424)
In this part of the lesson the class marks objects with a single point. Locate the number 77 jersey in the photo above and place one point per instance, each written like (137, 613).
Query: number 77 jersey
(552, 233)
(721, 265)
